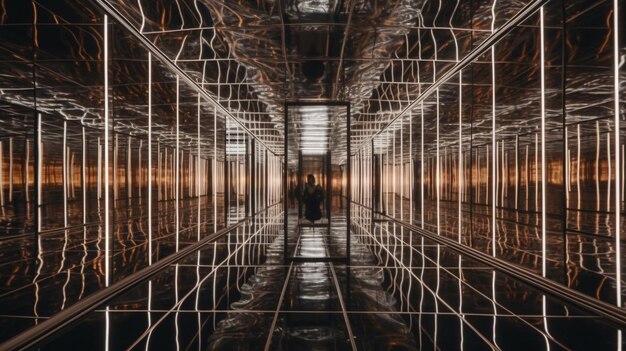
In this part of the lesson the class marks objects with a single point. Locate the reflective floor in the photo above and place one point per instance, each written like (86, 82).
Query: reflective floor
(399, 292)
(39, 278)
(582, 260)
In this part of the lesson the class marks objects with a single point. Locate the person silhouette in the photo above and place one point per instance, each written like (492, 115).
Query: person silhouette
(312, 197)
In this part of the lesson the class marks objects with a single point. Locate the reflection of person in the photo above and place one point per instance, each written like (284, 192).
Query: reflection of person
(312, 197)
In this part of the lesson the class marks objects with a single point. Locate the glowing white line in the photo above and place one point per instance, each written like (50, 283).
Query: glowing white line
(618, 210)
(494, 153)
(2, 180)
(129, 170)
(39, 165)
(99, 175)
(198, 192)
(438, 168)
(149, 165)
(460, 165)
(107, 323)
(27, 174)
(545, 321)
(11, 169)
(115, 179)
(65, 173)
(516, 170)
(149, 306)
(214, 178)
(411, 178)
(84, 179)
(106, 160)
(177, 162)
(495, 308)
(578, 165)
(543, 145)
(422, 164)
(393, 173)
(401, 169)
(608, 181)
(143, 17)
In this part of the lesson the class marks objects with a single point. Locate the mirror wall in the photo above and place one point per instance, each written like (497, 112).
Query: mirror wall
(519, 154)
(109, 160)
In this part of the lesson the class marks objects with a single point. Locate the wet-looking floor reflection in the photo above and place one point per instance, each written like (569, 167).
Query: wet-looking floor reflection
(401, 291)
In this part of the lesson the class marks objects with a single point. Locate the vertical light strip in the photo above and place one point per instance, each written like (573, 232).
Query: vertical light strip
(214, 170)
(544, 308)
(438, 161)
(437, 169)
(149, 311)
(2, 180)
(578, 197)
(394, 190)
(422, 165)
(99, 173)
(494, 150)
(543, 144)
(411, 168)
(83, 176)
(460, 182)
(198, 163)
(11, 169)
(27, 174)
(516, 170)
(149, 165)
(65, 173)
(129, 162)
(617, 143)
(39, 161)
(402, 169)
(106, 158)
(177, 163)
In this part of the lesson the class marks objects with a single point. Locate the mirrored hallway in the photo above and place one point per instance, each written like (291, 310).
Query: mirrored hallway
(312, 175)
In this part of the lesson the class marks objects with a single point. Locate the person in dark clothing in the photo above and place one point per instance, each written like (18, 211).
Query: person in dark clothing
(313, 196)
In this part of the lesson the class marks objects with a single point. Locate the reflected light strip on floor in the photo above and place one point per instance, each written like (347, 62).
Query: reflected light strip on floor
(149, 312)
(544, 309)
(212, 273)
(421, 281)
